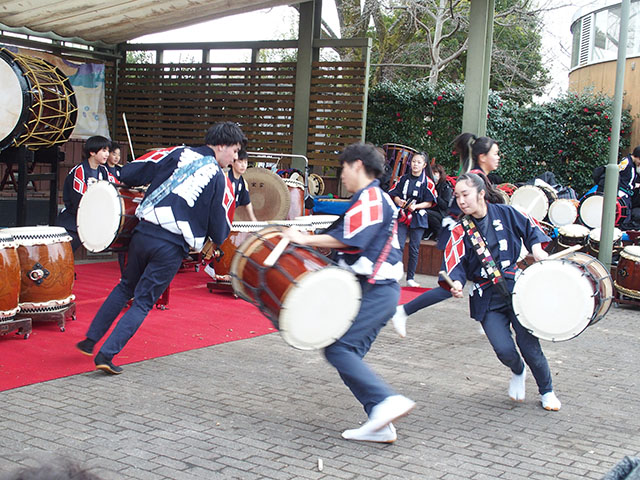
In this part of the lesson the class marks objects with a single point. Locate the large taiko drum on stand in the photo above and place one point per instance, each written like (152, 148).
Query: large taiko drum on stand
(309, 300)
(628, 272)
(46, 268)
(106, 216)
(296, 197)
(557, 300)
(38, 107)
(270, 196)
(9, 277)
(398, 158)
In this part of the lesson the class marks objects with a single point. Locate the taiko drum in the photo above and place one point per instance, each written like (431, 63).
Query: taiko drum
(46, 268)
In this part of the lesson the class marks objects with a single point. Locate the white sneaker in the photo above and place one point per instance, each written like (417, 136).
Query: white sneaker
(412, 283)
(387, 411)
(209, 270)
(550, 402)
(386, 434)
(517, 386)
(399, 321)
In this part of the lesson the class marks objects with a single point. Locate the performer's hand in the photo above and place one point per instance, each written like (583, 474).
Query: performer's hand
(538, 252)
(456, 289)
(295, 236)
(412, 208)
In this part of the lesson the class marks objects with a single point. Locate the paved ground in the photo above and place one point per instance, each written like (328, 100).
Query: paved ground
(260, 409)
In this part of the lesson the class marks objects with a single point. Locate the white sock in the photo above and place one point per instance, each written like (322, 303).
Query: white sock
(517, 386)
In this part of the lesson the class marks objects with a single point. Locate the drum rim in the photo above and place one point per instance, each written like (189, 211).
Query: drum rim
(287, 314)
(27, 100)
(115, 199)
(568, 334)
(561, 202)
(532, 188)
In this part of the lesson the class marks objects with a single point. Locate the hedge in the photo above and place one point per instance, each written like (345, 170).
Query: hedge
(569, 135)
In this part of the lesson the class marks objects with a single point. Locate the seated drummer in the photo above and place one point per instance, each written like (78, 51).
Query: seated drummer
(241, 195)
(95, 152)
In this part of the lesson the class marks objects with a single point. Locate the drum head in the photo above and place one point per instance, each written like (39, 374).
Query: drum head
(307, 320)
(590, 211)
(631, 252)
(553, 300)
(269, 195)
(13, 95)
(573, 230)
(41, 235)
(99, 215)
(563, 212)
(316, 185)
(531, 200)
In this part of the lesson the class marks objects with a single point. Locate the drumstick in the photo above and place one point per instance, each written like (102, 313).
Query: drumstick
(446, 278)
(276, 252)
(126, 127)
(563, 253)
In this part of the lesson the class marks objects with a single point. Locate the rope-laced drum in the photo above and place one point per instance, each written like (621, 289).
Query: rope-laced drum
(38, 106)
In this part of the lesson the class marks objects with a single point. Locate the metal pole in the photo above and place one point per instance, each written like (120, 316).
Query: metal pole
(611, 176)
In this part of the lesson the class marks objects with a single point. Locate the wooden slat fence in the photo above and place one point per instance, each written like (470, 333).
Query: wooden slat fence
(171, 104)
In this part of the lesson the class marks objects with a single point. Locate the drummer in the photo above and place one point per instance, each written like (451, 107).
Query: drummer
(95, 152)
(484, 248)
(367, 245)
(189, 198)
(241, 195)
(482, 156)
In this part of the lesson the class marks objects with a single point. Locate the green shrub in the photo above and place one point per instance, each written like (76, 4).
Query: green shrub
(568, 136)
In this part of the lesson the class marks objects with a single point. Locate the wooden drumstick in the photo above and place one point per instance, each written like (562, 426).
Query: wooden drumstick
(446, 278)
(564, 252)
(126, 127)
(276, 252)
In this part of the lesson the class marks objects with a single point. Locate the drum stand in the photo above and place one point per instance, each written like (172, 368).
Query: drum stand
(22, 325)
(59, 316)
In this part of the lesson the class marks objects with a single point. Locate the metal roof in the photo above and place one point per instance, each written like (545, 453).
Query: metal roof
(116, 21)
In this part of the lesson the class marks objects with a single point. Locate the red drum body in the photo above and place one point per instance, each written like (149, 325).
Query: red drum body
(106, 216)
(38, 103)
(240, 232)
(628, 272)
(46, 268)
(311, 302)
(296, 195)
(9, 277)
(557, 300)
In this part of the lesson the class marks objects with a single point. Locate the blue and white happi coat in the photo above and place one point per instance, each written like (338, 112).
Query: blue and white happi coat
(512, 228)
(420, 188)
(197, 206)
(365, 228)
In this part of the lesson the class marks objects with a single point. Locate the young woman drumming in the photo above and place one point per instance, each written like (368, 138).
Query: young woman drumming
(484, 247)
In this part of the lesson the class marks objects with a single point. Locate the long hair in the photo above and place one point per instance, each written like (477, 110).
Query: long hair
(480, 182)
(469, 148)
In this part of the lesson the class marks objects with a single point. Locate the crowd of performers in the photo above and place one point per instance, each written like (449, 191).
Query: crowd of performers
(190, 199)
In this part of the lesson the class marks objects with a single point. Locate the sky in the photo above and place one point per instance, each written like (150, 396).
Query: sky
(275, 23)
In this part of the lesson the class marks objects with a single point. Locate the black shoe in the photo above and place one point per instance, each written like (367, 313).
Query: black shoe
(103, 363)
(86, 346)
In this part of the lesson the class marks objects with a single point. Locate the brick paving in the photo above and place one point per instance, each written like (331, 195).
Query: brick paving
(259, 409)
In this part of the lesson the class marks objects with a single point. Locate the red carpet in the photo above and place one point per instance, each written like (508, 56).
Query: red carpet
(195, 318)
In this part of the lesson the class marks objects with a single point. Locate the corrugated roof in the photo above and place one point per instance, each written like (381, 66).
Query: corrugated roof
(116, 21)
